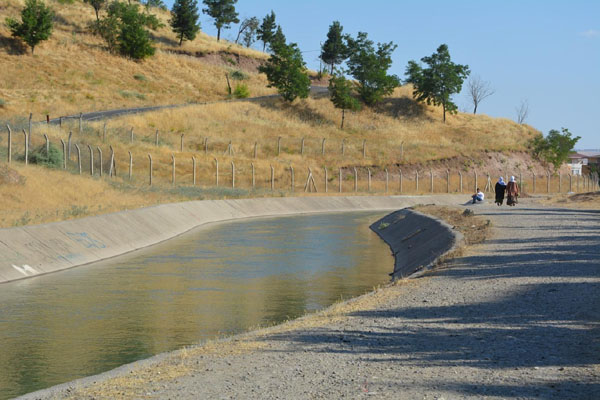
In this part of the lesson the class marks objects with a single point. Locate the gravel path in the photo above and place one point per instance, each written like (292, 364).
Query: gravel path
(515, 317)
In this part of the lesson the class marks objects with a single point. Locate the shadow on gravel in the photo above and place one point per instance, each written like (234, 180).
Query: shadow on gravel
(537, 324)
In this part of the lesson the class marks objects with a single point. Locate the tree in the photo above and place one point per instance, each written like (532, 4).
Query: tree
(97, 5)
(278, 39)
(184, 19)
(155, 3)
(478, 90)
(36, 23)
(266, 31)
(369, 68)
(341, 94)
(133, 39)
(437, 83)
(286, 71)
(522, 111)
(248, 28)
(555, 147)
(334, 50)
(223, 11)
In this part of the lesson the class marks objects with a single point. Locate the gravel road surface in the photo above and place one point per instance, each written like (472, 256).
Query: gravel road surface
(514, 317)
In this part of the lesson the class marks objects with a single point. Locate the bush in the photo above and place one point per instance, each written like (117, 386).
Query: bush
(52, 159)
(241, 91)
(2, 103)
(140, 77)
(238, 75)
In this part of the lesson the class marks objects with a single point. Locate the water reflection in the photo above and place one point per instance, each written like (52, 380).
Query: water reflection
(214, 281)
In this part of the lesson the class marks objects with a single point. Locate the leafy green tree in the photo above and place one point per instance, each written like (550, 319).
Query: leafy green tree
(342, 96)
(437, 83)
(266, 31)
(278, 39)
(155, 3)
(36, 23)
(184, 19)
(555, 147)
(223, 11)
(286, 71)
(334, 51)
(97, 5)
(369, 68)
(133, 39)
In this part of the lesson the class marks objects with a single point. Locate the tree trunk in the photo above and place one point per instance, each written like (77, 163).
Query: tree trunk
(97, 17)
(343, 116)
(32, 47)
(475, 109)
(180, 39)
(332, 68)
(218, 34)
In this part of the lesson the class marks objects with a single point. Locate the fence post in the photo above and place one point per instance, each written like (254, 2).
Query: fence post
(9, 149)
(355, 180)
(69, 145)
(559, 183)
(570, 183)
(364, 148)
(173, 169)
(104, 133)
(447, 181)
(130, 165)
(29, 130)
(131, 135)
(272, 178)
(194, 170)
(60, 121)
(78, 157)
(80, 123)
(292, 178)
(431, 179)
(216, 172)
(64, 147)
(279, 145)
(578, 178)
(47, 145)
(150, 168)
(302, 147)
(340, 180)
(369, 179)
(533, 182)
(325, 168)
(26, 146)
(461, 181)
(156, 138)
(417, 181)
(400, 178)
(229, 150)
(232, 175)
(112, 168)
(91, 160)
(255, 149)
(323, 147)
(253, 180)
(387, 180)
(100, 158)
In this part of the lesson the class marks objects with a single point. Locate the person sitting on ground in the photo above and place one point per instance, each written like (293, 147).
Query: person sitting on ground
(512, 192)
(478, 196)
(500, 188)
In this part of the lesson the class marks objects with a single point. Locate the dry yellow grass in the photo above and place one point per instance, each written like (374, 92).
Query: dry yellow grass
(72, 72)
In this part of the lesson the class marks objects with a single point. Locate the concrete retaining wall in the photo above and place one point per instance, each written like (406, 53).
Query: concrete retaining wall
(34, 250)
(417, 240)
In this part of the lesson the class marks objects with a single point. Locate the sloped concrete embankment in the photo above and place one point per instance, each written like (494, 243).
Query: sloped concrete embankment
(35, 250)
(417, 241)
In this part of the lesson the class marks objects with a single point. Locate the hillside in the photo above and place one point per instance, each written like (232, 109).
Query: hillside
(72, 72)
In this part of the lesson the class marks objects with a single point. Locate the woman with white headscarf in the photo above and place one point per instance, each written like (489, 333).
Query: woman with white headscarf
(500, 188)
(512, 192)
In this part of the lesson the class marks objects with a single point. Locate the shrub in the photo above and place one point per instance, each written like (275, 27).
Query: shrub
(238, 75)
(52, 159)
(241, 91)
(2, 103)
(140, 77)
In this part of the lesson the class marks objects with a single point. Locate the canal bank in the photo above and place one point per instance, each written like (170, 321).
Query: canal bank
(35, 250)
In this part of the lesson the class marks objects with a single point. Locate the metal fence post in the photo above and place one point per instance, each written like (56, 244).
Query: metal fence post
(272, 178)
(325, 168)
(355, 180)
(78, 157)
(91, 160)
(279, 145)
(194, 170)
(64, 147)
(323, 147)
(431, 179)
(130, 165)
(387, 180)
(47, 145)
(364, 148)
(232, 175)
(26, 146)
(369, 179)
(253, 177)
(447, 181)
(400, 178)
(100, 159)
(292, 178)
(340, 180)
(461, 181)
(181, 143)
(417, 181)
(216, 172)
(302, 147)
(150, 168)
(9, 149)
(173, 169)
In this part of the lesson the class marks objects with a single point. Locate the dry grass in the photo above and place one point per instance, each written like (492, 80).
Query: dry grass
(475, 229)
(589, 200)
(72, 72)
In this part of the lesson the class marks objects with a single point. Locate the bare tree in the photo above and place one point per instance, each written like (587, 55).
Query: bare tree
(478, 90)
(247, 25)
(522, 111)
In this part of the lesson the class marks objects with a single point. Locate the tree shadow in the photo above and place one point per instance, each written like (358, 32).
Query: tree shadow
(398, 107)
(299, 110)
(13, 46)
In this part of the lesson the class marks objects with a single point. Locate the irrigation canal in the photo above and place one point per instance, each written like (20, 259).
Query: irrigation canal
(214, 281)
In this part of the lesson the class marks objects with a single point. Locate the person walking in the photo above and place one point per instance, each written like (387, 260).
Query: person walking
(500, 189)
(512, 192)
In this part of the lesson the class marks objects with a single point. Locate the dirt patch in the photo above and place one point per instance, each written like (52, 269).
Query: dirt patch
(589, 200)
(475, 229)
(9, 176)
(223, 59)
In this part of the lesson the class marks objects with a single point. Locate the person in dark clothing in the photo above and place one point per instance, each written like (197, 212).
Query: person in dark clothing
(500, 189)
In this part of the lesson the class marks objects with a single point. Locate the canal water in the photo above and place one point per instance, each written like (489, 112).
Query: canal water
(219, 280)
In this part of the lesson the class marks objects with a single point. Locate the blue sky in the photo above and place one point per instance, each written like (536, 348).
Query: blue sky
(545, 52)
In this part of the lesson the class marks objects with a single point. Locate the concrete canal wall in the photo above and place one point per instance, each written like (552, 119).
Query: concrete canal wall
(34, 250)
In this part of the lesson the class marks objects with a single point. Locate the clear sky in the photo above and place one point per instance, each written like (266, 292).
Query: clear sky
(546, 52)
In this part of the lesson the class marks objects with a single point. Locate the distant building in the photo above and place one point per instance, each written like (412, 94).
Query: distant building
(582, 162)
